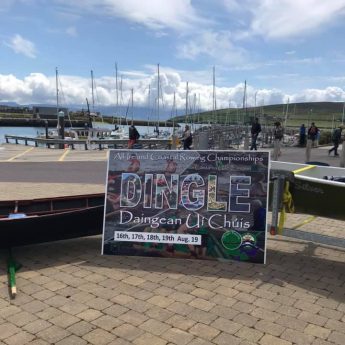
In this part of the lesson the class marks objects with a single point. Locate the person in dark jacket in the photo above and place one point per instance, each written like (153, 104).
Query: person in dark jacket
(255, 130)
(133, 136)
(187, 138)
(302, 135)
(336, 138)
(313, 133)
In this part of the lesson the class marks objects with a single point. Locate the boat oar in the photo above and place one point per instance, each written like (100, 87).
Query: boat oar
(12, 268)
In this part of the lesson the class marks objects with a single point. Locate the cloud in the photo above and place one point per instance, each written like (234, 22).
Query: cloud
(276, 19)
(6, 4)
(72, 31)
(23, 46)
(38, 88)
(330, 94)
(154, 14)
(217, 45)
(284, 19)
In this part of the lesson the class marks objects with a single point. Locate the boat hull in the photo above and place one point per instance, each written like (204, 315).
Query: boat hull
(46, 220)
(311, 193)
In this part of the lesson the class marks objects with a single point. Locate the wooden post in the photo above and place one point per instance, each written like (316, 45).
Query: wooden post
(277, 195)
(308, 150)
(246, 142)
(12, 268)
(342, 155)
(276, 149)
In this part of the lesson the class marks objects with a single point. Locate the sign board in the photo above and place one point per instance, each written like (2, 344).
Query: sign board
(187, 204)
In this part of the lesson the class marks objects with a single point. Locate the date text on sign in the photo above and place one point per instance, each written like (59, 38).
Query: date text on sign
(157, 237)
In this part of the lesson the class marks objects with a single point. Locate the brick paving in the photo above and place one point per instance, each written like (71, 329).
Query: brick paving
(69, 294)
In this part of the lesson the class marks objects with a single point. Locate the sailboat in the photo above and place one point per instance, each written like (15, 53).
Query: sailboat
(60, 131)
(119, 131)
(157, 133)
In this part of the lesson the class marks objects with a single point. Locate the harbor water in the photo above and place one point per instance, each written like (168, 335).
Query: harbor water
(38, 131)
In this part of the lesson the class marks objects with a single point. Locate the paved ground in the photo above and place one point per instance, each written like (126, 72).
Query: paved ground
(69, 294)
(20, 153)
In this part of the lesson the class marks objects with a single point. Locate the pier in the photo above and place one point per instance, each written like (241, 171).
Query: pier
(85, 143)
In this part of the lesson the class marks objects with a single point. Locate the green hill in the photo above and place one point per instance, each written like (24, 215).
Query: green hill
(324, 114)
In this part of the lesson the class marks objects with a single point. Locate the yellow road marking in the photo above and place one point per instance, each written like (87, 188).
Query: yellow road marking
(64, 155)
(304, 169)
(306, 221)
(20, 154)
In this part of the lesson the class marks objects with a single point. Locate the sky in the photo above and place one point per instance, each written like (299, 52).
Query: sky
(285, 50)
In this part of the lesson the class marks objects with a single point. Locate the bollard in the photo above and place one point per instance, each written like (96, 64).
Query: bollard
(276, 149)
(342, 155)
(246, 142)
(174, 142)
(308, 150)
(277, 194)
(61, 127)
(46, 128)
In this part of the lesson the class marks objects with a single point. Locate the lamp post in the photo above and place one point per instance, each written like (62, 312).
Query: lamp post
(61, 124)
(61, 127)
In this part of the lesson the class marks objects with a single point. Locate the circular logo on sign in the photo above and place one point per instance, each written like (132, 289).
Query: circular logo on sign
(231, 240)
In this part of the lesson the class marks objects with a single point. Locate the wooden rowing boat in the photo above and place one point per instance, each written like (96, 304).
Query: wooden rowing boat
(25, 222)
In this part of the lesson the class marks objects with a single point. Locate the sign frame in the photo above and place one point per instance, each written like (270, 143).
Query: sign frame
(165, 199)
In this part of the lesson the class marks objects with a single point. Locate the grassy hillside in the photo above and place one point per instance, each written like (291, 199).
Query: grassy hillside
(324, 114)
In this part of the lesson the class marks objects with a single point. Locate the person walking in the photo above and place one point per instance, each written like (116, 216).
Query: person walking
(278, 134)
(133, 135)
(302, 135)
(313, 133)
(255, 130)
(187, 138)
(336, 138)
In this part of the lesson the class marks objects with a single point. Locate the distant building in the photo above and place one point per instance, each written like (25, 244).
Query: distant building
(14, 110)
(47, 112)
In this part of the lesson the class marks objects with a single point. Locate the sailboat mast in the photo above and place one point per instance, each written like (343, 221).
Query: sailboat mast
(57, 91)
(199, 108)
(148, 108)
(287, 112)
(117, 87)
(187, 95)
(158, 89)
(132, 105)
(173, 113)
(214, 104)
(92, 91)
(244, 101)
